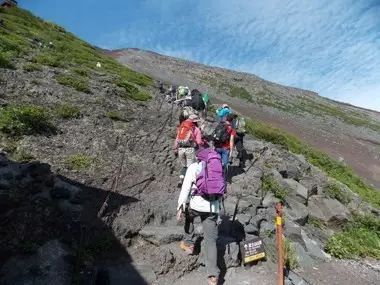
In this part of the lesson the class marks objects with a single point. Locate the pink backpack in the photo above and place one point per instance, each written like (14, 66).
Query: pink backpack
(210, 181)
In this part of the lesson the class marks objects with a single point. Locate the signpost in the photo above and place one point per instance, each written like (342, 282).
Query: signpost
(252, 250)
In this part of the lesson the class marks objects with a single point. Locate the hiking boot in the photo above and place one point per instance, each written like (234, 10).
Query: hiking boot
(187, 247)
(212, 280)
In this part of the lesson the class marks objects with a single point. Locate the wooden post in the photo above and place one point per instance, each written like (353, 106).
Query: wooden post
(280, 247)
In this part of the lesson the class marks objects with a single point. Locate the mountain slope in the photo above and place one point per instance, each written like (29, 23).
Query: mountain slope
(88, 180)
(343, 131)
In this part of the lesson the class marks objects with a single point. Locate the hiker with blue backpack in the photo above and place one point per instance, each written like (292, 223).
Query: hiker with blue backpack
(222, 113)
(201, 196)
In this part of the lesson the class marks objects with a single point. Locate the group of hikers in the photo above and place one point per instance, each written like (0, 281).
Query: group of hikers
(204, 148)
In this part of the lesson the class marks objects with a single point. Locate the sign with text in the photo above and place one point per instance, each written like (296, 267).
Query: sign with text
(252, 250)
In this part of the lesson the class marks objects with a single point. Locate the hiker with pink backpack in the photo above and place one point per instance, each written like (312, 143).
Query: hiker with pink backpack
(201, 196)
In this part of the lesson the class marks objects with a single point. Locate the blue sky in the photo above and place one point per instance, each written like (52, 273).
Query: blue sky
(328, 46)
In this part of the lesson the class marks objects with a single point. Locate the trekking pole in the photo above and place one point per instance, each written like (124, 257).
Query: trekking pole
(279, 241)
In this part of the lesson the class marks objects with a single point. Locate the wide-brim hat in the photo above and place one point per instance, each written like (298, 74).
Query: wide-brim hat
(194, 118)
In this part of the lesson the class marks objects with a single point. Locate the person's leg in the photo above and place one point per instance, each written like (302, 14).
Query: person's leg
(182, 161)
(190, 156)
(210, 230)
(189, 226)
(187, 244)
(223, 155)
(239, 145)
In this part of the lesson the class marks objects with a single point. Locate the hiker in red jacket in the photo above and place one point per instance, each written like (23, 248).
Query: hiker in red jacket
(225, 145)
(188, 139)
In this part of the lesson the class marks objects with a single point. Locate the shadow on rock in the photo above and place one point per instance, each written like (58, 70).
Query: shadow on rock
(50, 231)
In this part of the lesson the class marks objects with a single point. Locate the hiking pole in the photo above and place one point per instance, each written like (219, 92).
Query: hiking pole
(279, 241)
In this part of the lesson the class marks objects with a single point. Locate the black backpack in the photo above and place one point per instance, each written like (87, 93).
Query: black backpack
(197, 101)
(220, 134)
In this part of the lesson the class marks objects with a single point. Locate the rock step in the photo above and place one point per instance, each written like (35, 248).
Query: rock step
(160, 235)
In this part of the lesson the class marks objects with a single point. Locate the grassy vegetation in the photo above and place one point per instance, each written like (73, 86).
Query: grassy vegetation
(290, 255)
(32, 67)
(5, 62)
(76, 82)
(333, 168)
(360, 238)
(315, 222)
(270, 185)
(67, 111)
(334, 191)
(113, 115)
(240, 92)
(22, 155)
(81, 71)
(350, 117)
(25, 120)
(27, 36)
(78, 161)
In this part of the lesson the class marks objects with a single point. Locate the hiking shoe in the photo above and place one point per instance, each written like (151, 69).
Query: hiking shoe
(187, 247)
(212, 280)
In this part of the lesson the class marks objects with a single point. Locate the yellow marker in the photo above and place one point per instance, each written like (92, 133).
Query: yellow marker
(254, 257)
(278, 221)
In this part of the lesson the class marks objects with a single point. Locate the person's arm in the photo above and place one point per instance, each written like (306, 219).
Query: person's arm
(186, 187)
(232, 144)
(232, 141)
(197, 136)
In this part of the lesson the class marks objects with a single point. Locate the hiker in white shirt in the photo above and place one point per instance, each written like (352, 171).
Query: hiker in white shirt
(193, 205)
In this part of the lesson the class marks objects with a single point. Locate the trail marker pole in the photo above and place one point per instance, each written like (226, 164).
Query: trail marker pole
(279, 241)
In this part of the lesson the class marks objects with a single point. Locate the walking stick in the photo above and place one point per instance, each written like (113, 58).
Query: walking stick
(279, 241)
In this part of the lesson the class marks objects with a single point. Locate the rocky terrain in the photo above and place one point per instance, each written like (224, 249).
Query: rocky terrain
(345, 132)
(89, 182)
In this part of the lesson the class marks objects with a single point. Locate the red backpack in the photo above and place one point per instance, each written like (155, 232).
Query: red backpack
(185, 134)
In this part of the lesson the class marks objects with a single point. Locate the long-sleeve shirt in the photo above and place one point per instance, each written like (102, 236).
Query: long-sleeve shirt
(197, 203)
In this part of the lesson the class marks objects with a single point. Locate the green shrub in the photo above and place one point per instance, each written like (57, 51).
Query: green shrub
(22, 155)
(81, 71)
(25, 120)
(32, 67)
(5, 62)
(53, 60)
(334, 191)
(359, 238)
(315, 222)
(29, 246)
(114, 116)
(79, 84)
(68, 112)
(78, 161)
(141, 96)
(128, 87)
(240, 92)
(333, 168)
(269, 184)
(290, 255)
(133, 92)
